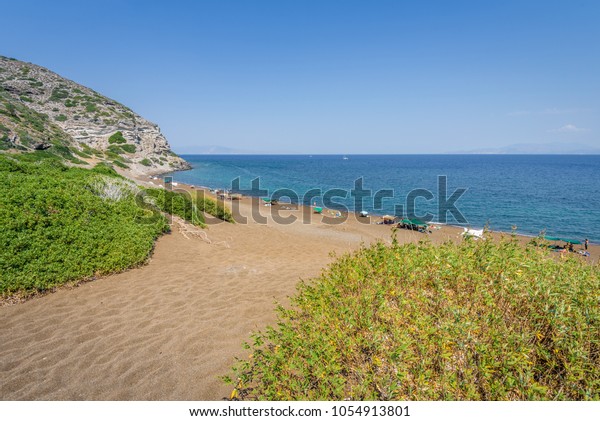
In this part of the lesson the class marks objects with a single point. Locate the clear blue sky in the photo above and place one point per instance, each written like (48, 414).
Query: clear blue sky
(327, 76)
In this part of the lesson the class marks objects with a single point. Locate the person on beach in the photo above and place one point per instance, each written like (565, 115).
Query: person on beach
(585, 244)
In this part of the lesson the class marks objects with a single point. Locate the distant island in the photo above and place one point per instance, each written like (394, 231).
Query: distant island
(515, 149)
(221, 150)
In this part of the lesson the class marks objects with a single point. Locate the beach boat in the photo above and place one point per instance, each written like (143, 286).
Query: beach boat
(364, 214)
(468, 232)
(318, 209)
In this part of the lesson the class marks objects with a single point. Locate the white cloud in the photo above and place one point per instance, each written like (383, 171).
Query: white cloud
(569, 128)
(555, 111)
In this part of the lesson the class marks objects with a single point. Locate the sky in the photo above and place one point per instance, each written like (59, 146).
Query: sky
(330, 76)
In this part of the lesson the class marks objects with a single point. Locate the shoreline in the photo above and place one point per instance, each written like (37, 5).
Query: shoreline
(207, 189)
(348, 211)
(450, 230)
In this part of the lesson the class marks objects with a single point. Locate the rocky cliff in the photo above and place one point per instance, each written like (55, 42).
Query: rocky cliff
(40, 110)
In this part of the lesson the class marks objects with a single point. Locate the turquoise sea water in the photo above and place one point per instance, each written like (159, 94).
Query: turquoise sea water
(558, 193)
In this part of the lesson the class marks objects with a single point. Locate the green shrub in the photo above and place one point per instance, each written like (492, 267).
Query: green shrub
(180, 204)
(61, 117)
(104, 168)
(120, 164)
(470, 321)
(89, 150)
(34, 157)
(117, 138)
(4, 140)
(66, 153)
(58, 225)
(80, 153)
(129, 148)
(210, 206)
(58, 94)
(115, 149)
(146, 162)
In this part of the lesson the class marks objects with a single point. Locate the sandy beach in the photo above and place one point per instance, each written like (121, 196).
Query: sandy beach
(168, 330)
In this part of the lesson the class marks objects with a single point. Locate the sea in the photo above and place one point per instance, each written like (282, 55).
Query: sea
(558, 195)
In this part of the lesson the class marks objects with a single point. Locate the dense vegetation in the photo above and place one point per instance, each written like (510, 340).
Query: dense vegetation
(190, 207)
(61, 224)
(470, 321)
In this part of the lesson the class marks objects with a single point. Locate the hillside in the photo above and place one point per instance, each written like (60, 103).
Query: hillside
(40, 110)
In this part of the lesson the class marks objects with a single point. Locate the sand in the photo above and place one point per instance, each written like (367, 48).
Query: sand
(168, 330)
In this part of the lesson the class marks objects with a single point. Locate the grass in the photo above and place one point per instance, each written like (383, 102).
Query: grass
(471, 321)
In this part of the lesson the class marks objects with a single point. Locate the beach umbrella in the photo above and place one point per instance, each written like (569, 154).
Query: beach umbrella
(566, 240)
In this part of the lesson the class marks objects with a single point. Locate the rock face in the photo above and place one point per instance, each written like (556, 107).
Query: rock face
(42, 110)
